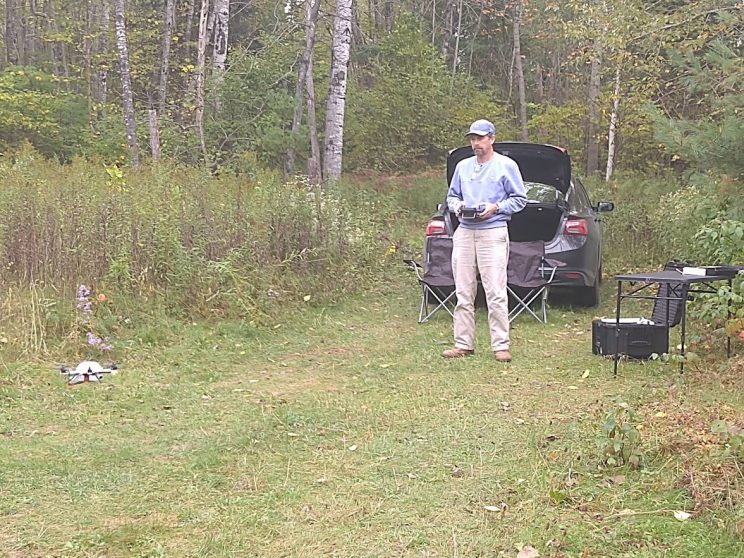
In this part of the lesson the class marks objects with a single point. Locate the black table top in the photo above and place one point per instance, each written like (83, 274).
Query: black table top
(672, 276)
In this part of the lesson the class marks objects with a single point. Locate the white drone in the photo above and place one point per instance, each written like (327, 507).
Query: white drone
(87, 371)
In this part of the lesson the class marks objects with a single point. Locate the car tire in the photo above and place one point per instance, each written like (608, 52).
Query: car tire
(588, 297)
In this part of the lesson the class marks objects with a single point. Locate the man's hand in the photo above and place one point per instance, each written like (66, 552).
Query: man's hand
(458, 208)
(489, 209)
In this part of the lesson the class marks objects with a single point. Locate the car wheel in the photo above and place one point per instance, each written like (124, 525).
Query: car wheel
(589, 296)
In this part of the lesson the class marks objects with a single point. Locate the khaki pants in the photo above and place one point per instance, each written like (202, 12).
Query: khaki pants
(485, 251)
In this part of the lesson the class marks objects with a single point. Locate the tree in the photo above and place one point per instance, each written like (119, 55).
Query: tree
(199, 77)
(335, 107)
(169, 17)
(130, 122)
(311, 15)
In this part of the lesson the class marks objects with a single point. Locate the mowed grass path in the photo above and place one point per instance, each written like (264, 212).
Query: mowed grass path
(341, 432)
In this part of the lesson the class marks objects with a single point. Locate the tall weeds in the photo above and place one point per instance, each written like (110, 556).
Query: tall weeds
(178, 237)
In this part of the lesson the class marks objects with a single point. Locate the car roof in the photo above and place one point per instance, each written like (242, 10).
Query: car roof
(546, 164)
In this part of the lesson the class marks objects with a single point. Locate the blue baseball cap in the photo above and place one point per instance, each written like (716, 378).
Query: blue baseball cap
(482, 128)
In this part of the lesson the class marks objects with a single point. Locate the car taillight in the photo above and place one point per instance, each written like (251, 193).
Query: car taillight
(435, 228)
(576, 226)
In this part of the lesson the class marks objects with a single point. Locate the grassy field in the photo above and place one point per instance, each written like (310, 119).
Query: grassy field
(341, 432)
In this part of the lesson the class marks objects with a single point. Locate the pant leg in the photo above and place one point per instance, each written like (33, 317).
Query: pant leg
(466, 285)
(492, 253)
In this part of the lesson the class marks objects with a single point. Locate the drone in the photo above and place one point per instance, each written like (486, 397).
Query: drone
(87, 371)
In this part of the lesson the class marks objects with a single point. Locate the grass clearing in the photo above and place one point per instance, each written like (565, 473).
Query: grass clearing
(342, 432)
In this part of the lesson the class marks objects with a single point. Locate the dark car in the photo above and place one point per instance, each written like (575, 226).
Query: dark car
(558, 212)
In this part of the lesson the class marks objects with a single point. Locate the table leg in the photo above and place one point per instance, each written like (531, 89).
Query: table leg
(617, 328)
(728, 319)
(682, 335)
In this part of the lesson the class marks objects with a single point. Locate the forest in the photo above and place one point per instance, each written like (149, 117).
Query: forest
(386, 85)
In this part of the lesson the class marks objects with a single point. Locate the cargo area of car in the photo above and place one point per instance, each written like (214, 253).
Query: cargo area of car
(535, 222)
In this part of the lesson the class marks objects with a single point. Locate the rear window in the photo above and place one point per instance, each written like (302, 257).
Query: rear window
(542, 193)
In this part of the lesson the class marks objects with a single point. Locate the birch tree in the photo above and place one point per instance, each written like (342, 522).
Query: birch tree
(221, 33)
(201, 48)
(613, 127)
(311, 15)
(334, 124)
(130, 123)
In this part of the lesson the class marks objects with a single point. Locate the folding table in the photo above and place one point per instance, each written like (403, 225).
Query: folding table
(678, 285)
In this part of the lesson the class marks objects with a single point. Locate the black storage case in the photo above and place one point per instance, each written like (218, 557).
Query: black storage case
(636, 340)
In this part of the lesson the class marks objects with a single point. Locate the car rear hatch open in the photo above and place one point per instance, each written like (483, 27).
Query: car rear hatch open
(540, 165)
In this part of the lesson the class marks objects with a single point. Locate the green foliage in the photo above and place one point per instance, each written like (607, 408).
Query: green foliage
(406, 107)
(712, 142)
(256, 102)
(619, 440)
(721, 241)
(560, 125)
(33, 109)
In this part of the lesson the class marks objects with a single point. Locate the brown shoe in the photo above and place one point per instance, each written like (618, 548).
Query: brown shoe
(502, 356)
(457, 353)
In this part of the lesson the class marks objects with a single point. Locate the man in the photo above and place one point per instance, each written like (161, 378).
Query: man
(493, 184)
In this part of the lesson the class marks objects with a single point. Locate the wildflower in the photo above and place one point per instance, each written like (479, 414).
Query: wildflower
(84, 305)
(98, 342)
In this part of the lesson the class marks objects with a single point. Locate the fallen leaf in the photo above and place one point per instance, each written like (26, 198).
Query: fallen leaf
(528, 552)
(660, 414)
(585, 374)
(492, 508)
(306, 298)
(618, 479)
(681, 515)
(573, 387)
(353, 448)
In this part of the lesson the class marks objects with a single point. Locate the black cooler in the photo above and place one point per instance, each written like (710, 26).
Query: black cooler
(639, 337)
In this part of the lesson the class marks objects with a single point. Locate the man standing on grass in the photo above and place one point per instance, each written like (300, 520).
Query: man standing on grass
(491, 183)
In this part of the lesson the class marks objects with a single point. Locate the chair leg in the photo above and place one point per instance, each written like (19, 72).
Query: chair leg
(445, 303)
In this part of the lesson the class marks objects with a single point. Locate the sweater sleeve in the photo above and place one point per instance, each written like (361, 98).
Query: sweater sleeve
(454, 195)
(514, 187)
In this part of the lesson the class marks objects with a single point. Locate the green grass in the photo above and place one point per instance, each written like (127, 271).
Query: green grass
(341, 432)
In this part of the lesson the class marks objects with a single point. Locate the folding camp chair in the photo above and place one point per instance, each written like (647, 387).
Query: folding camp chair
(436, 279)
(528, 277)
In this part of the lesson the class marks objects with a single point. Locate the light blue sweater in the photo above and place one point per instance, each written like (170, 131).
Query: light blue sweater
(497, 181)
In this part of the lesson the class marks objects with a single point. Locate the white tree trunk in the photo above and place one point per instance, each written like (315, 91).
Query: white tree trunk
(334, 124)
(221, 33)
(169, 18)
(154, 134)
(613, 127)
(311, 15)
(524, 134)
(130, 122)
(201, 47)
